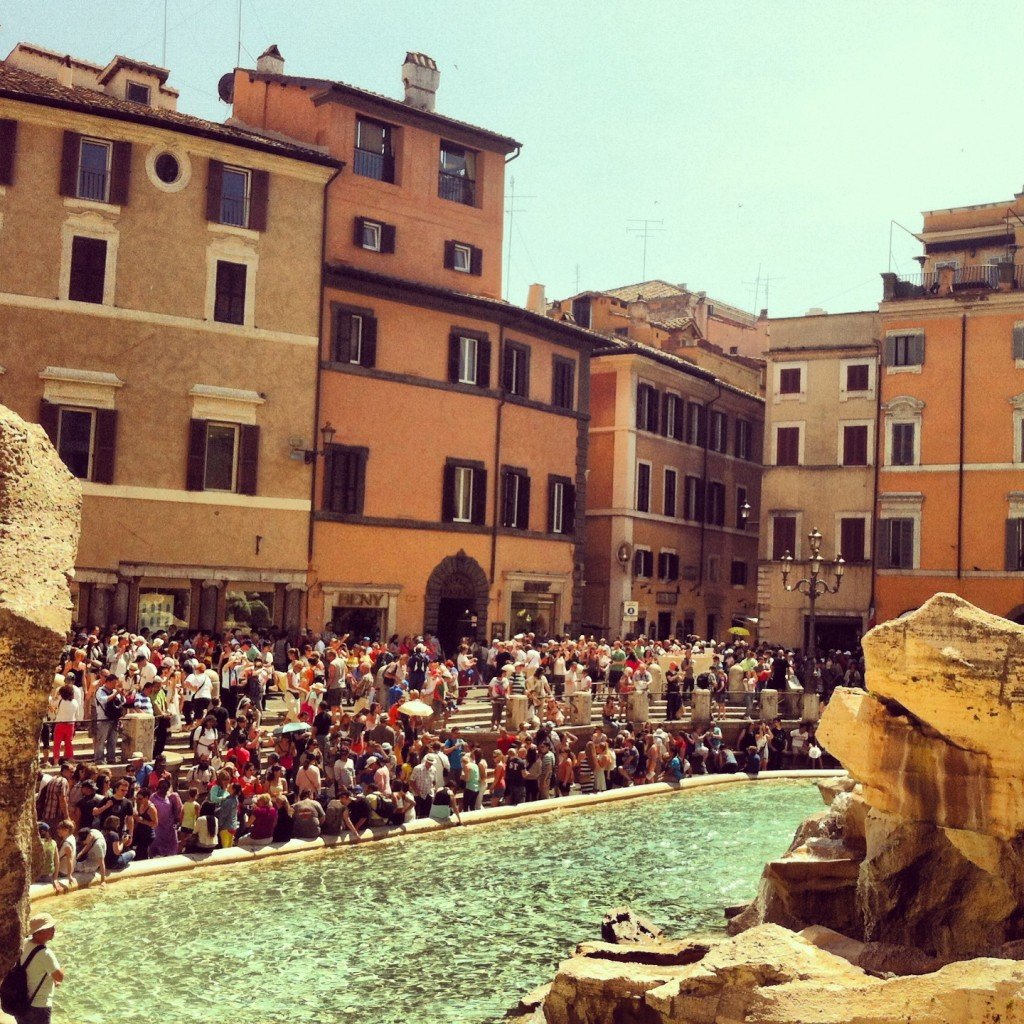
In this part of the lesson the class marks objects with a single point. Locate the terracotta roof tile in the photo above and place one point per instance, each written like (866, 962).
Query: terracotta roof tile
(646, 290)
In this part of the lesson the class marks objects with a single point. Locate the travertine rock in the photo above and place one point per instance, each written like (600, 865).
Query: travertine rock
(40, 507)
(622, 925)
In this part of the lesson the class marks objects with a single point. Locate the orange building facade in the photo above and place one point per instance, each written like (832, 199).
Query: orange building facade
(950, 506)
(453, 425)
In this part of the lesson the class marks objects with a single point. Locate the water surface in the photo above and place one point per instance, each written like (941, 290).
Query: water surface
(445, 929)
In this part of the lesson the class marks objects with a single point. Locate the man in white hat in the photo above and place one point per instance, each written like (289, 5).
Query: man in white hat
(42, 969)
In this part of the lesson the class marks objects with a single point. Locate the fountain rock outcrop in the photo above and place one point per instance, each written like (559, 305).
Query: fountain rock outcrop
(40, 508)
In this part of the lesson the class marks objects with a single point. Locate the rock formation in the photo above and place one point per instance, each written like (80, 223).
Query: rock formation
(40, 506)
(927, 844)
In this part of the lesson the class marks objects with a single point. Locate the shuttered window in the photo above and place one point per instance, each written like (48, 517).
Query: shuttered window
(355, 337)
(223, 457)
(515, 369)
(8, 147)
(715, 504)
(95, 169)
(738, 573)
(373, 235)
(563, 388)
(857, 377)
(469, 359)
(237, 196)
(902, 453)
(783, 536)
(85, 439)
(672, 416)
(647, 408)
(855, 445)
(643, 563)
(719, 439)
(671, 486)
(668, 566)
(789, 381)
(561, 505)
(229, 301)
(904, 349)
(643, 487)
(1014, 545)
(463, 258)
(1018, 329)
(693, 498)
(787, 446)
(345, 479)
(696, 423)
(896, 538)
(464, 492)
(852, 537)
(742, 447)
(515, 499)
(88, 269)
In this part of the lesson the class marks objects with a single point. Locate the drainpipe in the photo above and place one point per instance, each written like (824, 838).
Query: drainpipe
(497, 456)
(704, 484)
(319, 374)
(879, 455)
(960, 466)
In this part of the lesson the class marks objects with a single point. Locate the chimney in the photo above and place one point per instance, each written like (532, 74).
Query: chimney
(420, 78)
(535, 300)
(638, 310)
(270, 61)
(65, 75)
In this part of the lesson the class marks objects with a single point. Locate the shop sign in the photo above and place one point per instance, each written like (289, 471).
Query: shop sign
(362, 599)
(666, 597)
(536, 586)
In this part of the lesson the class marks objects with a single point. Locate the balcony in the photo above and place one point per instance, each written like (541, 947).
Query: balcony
(370, 164)
(457, 188)
(948, 281)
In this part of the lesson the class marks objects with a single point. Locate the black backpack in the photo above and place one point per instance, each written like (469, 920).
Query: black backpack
(14, 997)
(114, 707)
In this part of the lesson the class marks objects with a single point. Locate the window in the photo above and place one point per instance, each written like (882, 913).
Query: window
(696, 416)
(646, 408)
(668, 566)
(464, 498)
(581, 312)
(672, 416)
(75, 440)
(456, 180)
(1017, 347)
(373, 235)
(167, 168)
(563, 388)
(643, 487)
(229, 301)
(515, 369)
(136, 92)
(463, 258)
(787, 446)
(897, 543)
(234, 197)
(902, 451)
(789, 380)
(345, 479)
(369, 235)
(743, 446)
(515, 499)
(693, 498)
(714, 575)
(671, 483)
(88, 269)
(715, 504)
(852, 537)
(237, 196)
(94, 170)
(1014, 545)
(355, 337)
(643, 563)
(858, 377)
(561, 505)
(855, 445)
(783, 536)
(8, 144)
(719, 441)
(902, 350)
(223, 457)
(374, 157)
(742, 508)
(738, 573)
(469, 360)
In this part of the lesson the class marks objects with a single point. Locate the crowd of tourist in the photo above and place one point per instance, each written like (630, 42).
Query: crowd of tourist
(370, 735)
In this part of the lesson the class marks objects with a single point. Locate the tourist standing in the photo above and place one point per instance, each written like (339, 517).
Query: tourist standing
(42, 969)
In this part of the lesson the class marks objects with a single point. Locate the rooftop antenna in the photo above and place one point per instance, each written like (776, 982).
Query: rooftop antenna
(511, 210)
(644, 228)
(238, 53)
(577, 279)
(896, 223)
(163, 52)
(768, 278)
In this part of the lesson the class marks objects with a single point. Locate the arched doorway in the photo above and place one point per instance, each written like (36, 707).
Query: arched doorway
(1016, 615)
(455, 602)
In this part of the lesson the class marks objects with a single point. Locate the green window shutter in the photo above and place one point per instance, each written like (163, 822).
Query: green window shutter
(917, 347)
(889, 353)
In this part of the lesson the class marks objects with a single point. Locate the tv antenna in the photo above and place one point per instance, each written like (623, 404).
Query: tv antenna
(767, 280)
(511, 209)
(645, 228)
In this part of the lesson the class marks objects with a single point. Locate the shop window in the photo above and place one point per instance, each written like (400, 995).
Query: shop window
(248, 609)
(535, 610)
(164, 608)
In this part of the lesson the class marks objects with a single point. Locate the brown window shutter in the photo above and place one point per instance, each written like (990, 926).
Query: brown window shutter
(387, 238)
(49, 419)
(369, 347)
(479, 495)
(523, 511)
(214, 183)
(569, 510)
(476, 261)
(69, 164)
(120, 172)
(453, 358)
(196, 455)
(248, 459)
(259, 197)
(357, 232)
(8, 144)
(483, 363)
(448, 495)
(449, 255)
(342, 349)
(105, 446)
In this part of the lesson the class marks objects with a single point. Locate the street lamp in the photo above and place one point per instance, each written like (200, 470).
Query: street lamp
(814, 587)
(327, 432)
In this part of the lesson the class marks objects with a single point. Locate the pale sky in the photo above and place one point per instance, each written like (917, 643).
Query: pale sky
(779, 138)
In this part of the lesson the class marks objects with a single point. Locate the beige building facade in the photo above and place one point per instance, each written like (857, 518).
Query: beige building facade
(820, 441)
(159, 315)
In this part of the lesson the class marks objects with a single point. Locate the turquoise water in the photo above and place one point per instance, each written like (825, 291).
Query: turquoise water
(446, 929)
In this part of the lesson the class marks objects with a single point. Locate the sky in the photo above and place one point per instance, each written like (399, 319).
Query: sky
(771, 144)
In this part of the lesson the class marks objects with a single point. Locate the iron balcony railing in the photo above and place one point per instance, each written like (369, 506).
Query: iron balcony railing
(92, 185)
(368, 164)
(456, 187)
(232, 211)
(980, 276)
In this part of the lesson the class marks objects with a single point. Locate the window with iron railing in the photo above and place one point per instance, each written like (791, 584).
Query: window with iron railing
(456, 180)
(94, 170)
(234, 196)
(374, 155)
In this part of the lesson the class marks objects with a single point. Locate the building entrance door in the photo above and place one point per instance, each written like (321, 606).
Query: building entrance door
(456, 618)
(664, 625)
(455, 601)
(833, 633)
(359, 623)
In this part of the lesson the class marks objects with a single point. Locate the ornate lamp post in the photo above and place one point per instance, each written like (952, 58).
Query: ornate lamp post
(814, 587)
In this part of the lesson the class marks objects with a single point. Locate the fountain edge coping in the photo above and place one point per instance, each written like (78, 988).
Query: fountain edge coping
(39, 892)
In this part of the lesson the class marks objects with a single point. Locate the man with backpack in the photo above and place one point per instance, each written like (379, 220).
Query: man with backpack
(110, 706)
(27, 991)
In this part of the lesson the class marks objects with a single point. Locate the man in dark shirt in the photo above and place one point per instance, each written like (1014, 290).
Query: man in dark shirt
(85, 806)
(356, 815)
(780, 670)
(515, 777)
(117, 805)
